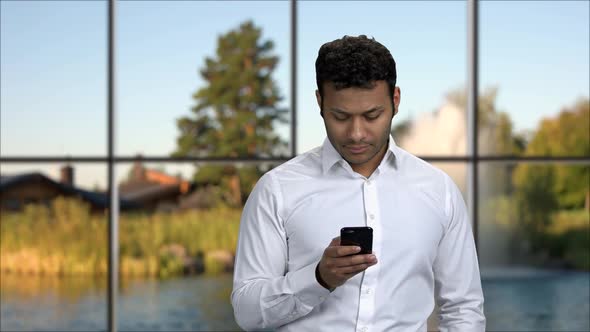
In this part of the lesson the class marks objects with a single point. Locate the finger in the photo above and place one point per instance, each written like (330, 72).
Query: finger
(341, 251)
(353, 260)
(354, 269)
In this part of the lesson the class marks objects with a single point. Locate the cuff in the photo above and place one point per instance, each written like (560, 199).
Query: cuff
(306, 288)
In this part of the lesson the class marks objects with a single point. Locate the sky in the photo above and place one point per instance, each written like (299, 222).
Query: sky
(53, 62)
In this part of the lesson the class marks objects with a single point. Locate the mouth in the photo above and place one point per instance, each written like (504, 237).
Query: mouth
(357, 149)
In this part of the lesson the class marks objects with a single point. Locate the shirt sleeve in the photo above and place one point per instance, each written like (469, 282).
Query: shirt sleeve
(456, 271)
(265, 294)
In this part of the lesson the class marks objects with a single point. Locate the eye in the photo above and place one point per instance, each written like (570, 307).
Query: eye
(340, 117)
(372, 116)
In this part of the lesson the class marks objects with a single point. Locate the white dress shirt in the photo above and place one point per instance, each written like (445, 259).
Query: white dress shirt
(421, 236)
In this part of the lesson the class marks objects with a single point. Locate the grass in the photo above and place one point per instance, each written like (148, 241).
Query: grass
(66, 239)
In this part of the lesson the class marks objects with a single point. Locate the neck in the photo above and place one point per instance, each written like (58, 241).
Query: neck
(370, 166)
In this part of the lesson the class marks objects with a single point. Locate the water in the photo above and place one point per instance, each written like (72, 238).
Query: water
(79, 304)
(516, 300)
(532, 300)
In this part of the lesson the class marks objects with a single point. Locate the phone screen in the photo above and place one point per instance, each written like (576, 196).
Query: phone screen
(359, 236)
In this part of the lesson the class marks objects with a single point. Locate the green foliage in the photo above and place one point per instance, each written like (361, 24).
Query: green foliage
(248, 178)
(65, 238)
(213, 266)
(567, 134)
(169, 265)
(540, 193)
(209, 174)
(566, 220)
(535, 196)
(501, 210)
(568, 237)
(545, 193)
(235, 111)
(542, 190)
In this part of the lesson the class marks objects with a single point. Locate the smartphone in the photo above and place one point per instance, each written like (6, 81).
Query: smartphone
(357, 236)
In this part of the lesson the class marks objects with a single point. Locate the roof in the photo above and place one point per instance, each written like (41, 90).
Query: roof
(100, 200)
(151, 191)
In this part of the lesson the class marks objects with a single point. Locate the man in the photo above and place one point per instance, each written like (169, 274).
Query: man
(291, 272)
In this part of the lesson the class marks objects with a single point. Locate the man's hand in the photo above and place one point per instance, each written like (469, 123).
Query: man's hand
(337, 266)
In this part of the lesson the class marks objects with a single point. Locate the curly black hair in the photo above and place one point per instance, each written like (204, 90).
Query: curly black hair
(354, 62)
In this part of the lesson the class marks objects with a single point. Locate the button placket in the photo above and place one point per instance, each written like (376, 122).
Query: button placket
(367, 294)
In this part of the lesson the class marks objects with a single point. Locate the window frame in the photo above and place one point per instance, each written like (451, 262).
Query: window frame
(472, 158)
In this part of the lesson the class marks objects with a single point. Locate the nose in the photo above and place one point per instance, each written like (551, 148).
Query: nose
(357, 130)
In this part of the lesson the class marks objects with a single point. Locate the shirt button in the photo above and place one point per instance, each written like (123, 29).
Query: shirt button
(367, 291)
(368, 182)
(372, 216)
(363, 329)
(322, 298)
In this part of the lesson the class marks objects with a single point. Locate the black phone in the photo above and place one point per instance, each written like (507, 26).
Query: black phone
(357, 236)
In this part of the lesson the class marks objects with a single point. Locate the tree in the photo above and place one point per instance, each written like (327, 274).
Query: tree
(236, 111)
(542, 190)
(567, 134)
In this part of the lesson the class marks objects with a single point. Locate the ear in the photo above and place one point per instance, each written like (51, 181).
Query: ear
(319, 100)
(397, 96)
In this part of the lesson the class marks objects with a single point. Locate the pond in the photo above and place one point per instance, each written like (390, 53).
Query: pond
(516, 300)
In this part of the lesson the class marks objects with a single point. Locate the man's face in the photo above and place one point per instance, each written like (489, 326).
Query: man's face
(358, 122)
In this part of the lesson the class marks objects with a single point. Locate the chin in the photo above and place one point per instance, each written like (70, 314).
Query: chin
(356, 160)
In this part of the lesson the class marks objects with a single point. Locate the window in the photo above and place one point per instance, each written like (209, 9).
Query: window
(526, 185)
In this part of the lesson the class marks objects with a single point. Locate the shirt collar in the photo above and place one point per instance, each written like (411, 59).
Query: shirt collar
(330, 156)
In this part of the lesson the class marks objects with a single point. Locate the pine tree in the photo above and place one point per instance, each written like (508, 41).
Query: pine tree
(236, 111)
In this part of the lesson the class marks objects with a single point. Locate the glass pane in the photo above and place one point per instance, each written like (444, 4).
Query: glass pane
(534, 246)
(53, 77)
(534, 78)
(428, 42)
(53, 247)
(177, 245)
(160, 78)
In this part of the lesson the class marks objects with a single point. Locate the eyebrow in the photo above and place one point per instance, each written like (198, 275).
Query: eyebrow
(374, 109)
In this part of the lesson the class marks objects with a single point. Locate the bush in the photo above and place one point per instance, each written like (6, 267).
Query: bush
(65, 238)
(568, 237)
